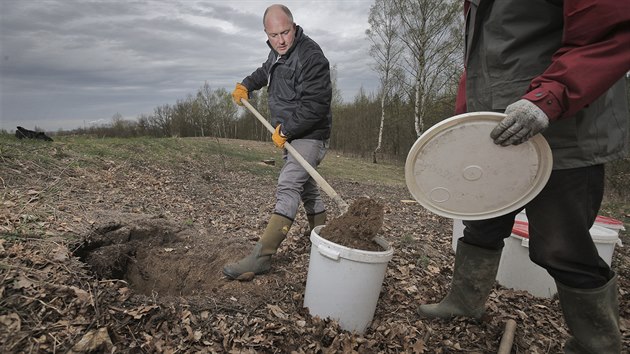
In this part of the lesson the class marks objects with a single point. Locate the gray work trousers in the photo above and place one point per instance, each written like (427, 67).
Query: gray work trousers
(559, 218)
(294, 182)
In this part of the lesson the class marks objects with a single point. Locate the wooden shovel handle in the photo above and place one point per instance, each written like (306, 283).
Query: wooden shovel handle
(311, 171)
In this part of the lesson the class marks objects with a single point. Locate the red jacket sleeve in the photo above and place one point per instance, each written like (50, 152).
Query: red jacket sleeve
(460, 100)
(595, 53)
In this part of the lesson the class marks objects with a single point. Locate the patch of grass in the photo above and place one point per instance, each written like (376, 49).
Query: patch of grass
(358, 170)
(11, 237)
(407, 240)
(12, 148)
(232, 155)
(422, 261)
(103, 148)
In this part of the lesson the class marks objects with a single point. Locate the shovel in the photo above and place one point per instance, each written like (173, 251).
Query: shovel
(296, 155)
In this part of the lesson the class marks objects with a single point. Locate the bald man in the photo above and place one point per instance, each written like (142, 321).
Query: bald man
(297, 77)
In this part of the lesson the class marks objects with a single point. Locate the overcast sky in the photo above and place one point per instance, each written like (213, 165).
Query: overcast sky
(69, 63)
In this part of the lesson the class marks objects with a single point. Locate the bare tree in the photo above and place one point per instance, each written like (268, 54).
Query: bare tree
(386, 50)
(337, 98)
(431, 32)
(195, 110)
(226, 111)
(204, 100)
(162, 118)
(183, 120)
(261, 102)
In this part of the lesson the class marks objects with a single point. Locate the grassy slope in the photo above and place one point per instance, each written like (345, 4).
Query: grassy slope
(164, 151)
(74, 153)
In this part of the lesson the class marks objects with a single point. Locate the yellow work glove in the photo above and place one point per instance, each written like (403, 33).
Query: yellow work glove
(239, 93)
(278, 138)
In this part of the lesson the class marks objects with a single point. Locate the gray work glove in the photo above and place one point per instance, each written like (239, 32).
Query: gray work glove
(523, 120)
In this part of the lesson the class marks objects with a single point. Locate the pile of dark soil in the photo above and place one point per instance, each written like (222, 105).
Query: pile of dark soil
(357, 227)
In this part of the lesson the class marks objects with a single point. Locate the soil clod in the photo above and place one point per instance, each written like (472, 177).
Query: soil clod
(358, 226)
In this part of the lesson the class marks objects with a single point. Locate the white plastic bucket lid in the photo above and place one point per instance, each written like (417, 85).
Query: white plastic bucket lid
(609, 223)
(455, 170)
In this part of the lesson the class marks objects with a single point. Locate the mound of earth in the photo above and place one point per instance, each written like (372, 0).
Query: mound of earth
(357, 227)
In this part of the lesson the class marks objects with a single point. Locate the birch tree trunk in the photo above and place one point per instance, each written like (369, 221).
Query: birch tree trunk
(386, 50)
(431, 32)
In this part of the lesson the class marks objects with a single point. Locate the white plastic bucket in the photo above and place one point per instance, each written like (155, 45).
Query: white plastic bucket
(344, 283)
(605, 240)
(518, 272)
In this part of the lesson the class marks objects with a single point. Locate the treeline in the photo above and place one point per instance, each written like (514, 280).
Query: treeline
(212, 113)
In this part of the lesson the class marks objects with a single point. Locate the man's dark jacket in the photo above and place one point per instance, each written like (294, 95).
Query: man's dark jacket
(299, 87)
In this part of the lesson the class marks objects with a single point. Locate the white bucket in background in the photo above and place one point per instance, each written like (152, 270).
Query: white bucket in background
(609, 223)
(602, 243)
(458, 231)
(518, 272)
(458, 228)
(605, 234)
(605, 240)
(344, 283)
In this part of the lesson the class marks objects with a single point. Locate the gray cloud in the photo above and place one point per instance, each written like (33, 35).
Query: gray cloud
(64, 63)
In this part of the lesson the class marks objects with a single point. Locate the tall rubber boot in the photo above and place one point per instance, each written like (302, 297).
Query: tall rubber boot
(259, 260)
(315, 220)
(473, 279)
(592, 316)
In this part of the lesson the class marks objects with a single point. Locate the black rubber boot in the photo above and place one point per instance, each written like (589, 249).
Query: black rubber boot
(592, 316)
(473, 278)
(259, 260)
